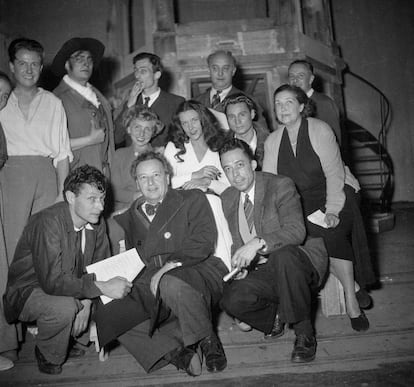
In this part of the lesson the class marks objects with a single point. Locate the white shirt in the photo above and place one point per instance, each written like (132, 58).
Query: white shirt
(253, 142)
(250, 192)
(152, 97)
(310, 92)
(43, 133)
(85, 91)
(183, 170)
(222, 95)
(87, 226)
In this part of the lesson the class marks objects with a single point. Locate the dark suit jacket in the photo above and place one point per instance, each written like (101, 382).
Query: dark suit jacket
(182, 230)
(45, 258)
(205, 100)
(164, 106)
(79, 113)
(278, 218)
(326, 110)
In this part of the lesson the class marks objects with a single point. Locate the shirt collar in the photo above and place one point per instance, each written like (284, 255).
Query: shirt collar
(310, 92)
(223, 93)
(85, 91)
(152, 97)
(87, 226)
(250, 192)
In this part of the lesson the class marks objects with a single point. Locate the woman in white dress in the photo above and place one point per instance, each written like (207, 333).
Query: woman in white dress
(195, 138)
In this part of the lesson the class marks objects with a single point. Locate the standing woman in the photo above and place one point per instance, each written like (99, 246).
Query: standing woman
(196, 137)
(8, 333)
(305, 149)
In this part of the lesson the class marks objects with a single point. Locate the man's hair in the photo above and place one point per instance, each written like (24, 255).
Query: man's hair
(85, 174)
(4, 77)
(235, 143)
(239, 98)
(154, 60)
(139, 112)
(221, 52)
(301, 97)
(27, 44)
(303, 62)
(150, 155)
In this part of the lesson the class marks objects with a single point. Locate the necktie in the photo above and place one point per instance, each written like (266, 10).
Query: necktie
(79, 254)
(151, 209)
(248, 211)
(146, 101)
(216, 99)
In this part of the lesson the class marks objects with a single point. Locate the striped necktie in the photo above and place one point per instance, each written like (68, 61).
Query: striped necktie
(216, 99)
(248, 211)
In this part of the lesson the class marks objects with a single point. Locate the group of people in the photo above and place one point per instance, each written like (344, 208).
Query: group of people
(200, 201)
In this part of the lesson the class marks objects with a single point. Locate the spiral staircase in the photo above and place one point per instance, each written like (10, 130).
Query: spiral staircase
(372, 163)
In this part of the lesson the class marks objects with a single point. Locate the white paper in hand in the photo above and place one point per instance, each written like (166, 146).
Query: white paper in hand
(318, 218)
(127, 264)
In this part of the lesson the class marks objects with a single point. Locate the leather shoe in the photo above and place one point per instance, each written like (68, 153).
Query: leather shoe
(278, 329)
(214, 353)
(45, 366)
(76, 352)
(364, 299)
(304, 349)
(360, 323)
(186, 359)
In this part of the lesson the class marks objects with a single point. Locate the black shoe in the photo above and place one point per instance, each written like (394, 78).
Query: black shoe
(360, 323)
(214, 353)
(76, 352)
(304, 349)
(186, 359)
(45, 366)
(364, 299)
(278, 329)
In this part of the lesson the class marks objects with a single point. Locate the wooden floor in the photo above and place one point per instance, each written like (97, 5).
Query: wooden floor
(254, 361)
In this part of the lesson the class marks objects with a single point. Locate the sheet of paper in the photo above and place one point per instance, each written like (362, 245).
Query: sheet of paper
(221, 118)
(318, 218)
(127, 264)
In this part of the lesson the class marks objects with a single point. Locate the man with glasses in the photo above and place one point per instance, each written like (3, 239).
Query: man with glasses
(88, 112)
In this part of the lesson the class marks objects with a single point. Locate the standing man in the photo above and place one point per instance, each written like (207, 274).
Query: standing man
(47, 281)
(175, 234)
(240, 112)
(222, 67)
(148, 70)
(301, 74)
(277, 275)
(88, 113)
(34, 124)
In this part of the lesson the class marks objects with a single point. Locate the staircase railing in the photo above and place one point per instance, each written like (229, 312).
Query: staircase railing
(378, 145)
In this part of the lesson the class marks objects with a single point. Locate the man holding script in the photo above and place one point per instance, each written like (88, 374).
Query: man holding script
(47, 281)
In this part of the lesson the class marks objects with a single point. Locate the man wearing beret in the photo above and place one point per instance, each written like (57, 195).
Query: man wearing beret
(88, 113)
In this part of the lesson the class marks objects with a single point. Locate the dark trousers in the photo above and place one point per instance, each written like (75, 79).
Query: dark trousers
(282, 285)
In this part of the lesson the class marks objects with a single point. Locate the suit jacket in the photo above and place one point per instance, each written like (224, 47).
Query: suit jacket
(278, 218)
(79, 113)
(184, 230)
(45, 258)
(327, 111)
(204, 98)
(164, 106)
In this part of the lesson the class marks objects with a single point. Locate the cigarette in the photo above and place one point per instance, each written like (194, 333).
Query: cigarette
(231, 274)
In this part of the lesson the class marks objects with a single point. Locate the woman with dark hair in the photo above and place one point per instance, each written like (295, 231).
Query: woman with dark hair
(305, 149)
(193, 150)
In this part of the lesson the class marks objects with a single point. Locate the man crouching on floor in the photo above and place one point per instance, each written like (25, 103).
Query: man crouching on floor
(47, 282)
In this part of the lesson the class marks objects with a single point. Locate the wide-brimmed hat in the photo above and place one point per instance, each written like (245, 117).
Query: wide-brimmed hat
(94, 46)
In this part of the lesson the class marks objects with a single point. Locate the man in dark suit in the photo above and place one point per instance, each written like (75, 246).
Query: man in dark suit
(47, 281)
(222, 67)
(175, 234)
(240, 112)
(301, 74)
(148, 70)
(277, 274)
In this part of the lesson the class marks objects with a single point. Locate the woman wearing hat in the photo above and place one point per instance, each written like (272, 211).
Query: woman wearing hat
(142, 125)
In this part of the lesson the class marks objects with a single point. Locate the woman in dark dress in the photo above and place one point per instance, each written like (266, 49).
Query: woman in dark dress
(305, 149)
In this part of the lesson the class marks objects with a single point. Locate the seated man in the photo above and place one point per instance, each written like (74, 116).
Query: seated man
(240, 111)
(277, 275)
(47, 282)
(174, 232)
